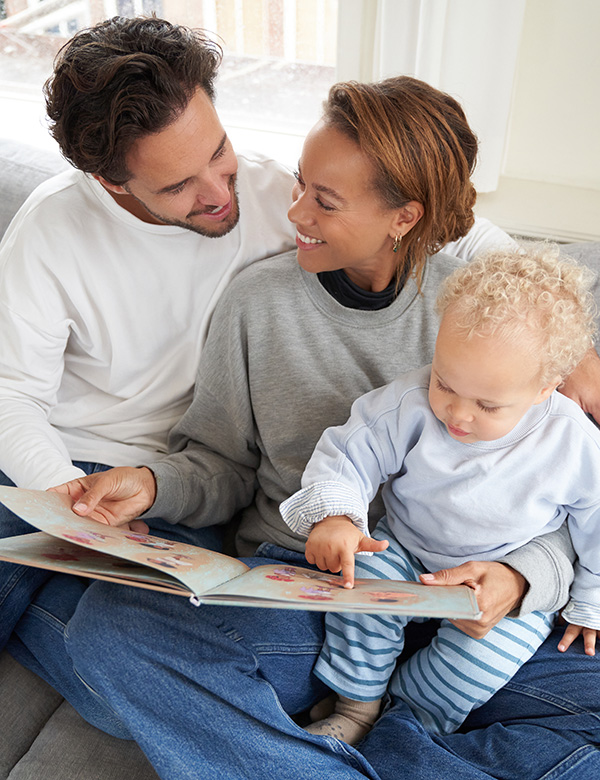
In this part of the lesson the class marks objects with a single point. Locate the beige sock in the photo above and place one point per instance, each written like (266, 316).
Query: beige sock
(350, 721)
(324, 708)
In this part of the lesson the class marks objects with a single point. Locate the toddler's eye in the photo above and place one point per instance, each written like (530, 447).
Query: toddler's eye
(488, 409)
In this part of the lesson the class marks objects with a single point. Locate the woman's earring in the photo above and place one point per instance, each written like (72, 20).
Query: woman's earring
(397, 240)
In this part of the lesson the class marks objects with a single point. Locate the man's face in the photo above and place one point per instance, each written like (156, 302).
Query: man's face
(185, 174)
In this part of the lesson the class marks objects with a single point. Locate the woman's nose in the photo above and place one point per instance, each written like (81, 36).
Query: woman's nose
(297, 212)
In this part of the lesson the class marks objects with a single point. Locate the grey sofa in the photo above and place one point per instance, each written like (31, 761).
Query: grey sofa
(41, 735)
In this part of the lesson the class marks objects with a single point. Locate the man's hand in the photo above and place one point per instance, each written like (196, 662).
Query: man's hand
(572, 632)
(332, 543)
(498, 588)
(113, 497)
(583, 385)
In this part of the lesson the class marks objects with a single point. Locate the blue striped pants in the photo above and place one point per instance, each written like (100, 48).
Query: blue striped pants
(442, 682)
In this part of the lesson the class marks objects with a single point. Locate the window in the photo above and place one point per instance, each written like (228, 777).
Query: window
(279, 61)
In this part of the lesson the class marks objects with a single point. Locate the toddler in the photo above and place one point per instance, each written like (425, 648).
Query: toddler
(478, 455)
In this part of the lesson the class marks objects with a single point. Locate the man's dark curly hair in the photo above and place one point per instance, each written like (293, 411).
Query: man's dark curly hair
(121, 80)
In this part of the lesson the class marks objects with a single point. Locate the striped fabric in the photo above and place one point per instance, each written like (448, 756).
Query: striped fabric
(582, 614)
(442, 682)
(320, 500)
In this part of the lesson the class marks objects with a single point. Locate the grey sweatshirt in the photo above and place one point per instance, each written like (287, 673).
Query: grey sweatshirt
(282, 362)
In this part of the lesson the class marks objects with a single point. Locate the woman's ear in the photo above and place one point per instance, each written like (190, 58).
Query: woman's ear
(115, 188)
(406, 217)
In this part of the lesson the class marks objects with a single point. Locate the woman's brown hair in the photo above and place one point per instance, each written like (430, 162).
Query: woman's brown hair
(421, 148)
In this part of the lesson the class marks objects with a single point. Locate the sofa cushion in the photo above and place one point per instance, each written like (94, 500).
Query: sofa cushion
(41, 736)
(79, 752)
(27, 704)
(22, 169)
(588, 254)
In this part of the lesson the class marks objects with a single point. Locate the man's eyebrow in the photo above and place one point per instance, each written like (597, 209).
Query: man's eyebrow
(326, 190)
(177, 185)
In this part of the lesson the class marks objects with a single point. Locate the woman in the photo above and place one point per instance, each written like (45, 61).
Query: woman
(383, 182)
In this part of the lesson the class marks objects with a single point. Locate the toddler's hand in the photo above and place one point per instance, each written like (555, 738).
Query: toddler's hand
(332, 543)
(572, 632)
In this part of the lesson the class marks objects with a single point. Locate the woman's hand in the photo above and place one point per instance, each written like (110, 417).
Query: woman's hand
(498, 588)
(583, 385)
(572, 631)
(113, 497)
(332, 543)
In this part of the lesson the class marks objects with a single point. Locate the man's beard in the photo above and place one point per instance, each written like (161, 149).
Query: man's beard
(220, 228)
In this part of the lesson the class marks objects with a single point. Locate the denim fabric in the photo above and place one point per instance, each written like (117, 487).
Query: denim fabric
(543, 725)
(38, 643)
(18, 583)
(210, 691)
(232, 671)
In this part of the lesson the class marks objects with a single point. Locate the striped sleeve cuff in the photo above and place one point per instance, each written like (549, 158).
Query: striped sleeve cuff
(323, 499)
(582, 614)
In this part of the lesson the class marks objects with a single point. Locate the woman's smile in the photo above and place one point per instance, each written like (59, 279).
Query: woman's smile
(307, 242)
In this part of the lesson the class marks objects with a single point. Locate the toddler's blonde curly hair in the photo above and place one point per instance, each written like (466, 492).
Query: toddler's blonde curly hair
(529, 294)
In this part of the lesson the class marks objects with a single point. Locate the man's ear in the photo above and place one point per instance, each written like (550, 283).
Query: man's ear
(548, 390)
(406, 217)
(117, 189)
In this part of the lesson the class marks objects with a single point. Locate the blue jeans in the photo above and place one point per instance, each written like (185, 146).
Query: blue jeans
(18, 583)
(211, 691)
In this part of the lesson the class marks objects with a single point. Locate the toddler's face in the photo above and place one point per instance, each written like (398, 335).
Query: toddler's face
(481, 387)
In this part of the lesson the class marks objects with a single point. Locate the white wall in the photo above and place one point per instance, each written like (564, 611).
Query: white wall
(550, 183)
(554, 133)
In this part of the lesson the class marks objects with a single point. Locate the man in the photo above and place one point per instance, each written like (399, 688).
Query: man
(110, 271)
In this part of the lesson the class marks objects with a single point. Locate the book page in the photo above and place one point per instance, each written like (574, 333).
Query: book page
(293, 587)
(47, 552)
(198, 569)
(79, 545)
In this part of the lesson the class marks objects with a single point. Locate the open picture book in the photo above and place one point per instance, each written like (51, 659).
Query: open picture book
(68, 543)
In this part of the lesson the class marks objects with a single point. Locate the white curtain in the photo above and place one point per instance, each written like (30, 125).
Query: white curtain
(468, 48)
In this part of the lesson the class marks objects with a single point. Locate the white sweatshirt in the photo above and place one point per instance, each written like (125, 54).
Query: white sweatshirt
(103, 317)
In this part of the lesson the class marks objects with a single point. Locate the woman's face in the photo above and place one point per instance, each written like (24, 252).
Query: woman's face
(340, 220)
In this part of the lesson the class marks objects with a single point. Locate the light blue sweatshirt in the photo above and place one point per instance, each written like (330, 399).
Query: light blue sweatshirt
(449, 502)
